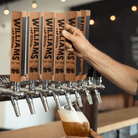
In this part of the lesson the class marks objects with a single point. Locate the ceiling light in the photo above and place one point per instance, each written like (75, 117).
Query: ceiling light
(134, 8)
(91, 22)
(112, 18)
(63, 0)
(6, 11)
(34, 4)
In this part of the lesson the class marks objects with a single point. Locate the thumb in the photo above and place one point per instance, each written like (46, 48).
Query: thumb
(68, 35)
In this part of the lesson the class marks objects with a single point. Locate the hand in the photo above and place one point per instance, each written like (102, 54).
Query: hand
(78, 40)
(93, 134)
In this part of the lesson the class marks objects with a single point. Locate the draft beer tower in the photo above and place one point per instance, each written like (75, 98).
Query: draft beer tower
(40, 66)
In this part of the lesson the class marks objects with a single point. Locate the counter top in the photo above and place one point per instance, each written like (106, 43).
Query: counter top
(106, 122)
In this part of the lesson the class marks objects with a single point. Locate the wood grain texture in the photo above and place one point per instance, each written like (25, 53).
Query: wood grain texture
(59, 47)
(16, 46)
(47, 45)
(51, 130)
(33, 51)
(71, 58)
(117, 119)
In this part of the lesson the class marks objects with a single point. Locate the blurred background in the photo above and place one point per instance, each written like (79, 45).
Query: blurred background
(113, 30)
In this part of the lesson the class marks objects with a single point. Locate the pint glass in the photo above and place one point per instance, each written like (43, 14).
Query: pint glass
(74, 121)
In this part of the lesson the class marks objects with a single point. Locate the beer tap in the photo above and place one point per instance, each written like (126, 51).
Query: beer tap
(67, 91)
(89, 83)
(43, 92)
(98, 83)
(14, 94)
(16, 88)
(30, 94)
(56, 98)
(56, 91)
(81, 87)
(77, 89)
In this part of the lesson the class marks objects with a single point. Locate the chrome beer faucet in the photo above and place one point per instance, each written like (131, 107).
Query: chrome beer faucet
(43, 92)
(30, 93)
(98, 84)
(14, 94)
(56, 91)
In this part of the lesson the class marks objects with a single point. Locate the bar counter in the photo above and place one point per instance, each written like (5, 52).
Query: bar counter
(106, 122)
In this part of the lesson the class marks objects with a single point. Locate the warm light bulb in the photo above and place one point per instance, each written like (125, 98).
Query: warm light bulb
(134, 8)
(6, 11)
(91, 22)
(34, 5)
(112, 18)
(63, 0)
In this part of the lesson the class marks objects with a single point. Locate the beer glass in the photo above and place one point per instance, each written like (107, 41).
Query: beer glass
(74, 121)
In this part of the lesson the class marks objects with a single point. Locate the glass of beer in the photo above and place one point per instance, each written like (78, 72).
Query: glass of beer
(74, 121)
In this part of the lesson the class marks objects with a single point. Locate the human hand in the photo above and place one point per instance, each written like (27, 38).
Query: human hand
(93, 134)
(78, 40)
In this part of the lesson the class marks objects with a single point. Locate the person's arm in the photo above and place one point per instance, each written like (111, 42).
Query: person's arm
(121, 75)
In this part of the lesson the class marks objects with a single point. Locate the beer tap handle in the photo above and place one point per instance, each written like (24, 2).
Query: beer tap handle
(90, 71)
(98, 78)
(15, 106)
(89, 97)
(90, 75)
(44, 102)
(29, 100)
(78, 97)
(98, 96)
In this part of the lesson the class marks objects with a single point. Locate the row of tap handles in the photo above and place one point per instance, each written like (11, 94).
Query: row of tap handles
(29, 90)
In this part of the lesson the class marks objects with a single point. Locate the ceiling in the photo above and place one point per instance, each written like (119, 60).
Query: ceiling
(78, 1)
(5, 1)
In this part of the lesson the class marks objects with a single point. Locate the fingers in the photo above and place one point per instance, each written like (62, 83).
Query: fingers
(68, 45)
(70, 28)
(94, 134)
(68, 35)
(70, 32)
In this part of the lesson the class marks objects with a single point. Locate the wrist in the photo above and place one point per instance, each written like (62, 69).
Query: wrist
(90, 52)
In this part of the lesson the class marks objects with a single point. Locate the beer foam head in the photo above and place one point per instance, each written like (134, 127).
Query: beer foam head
(72, 116)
